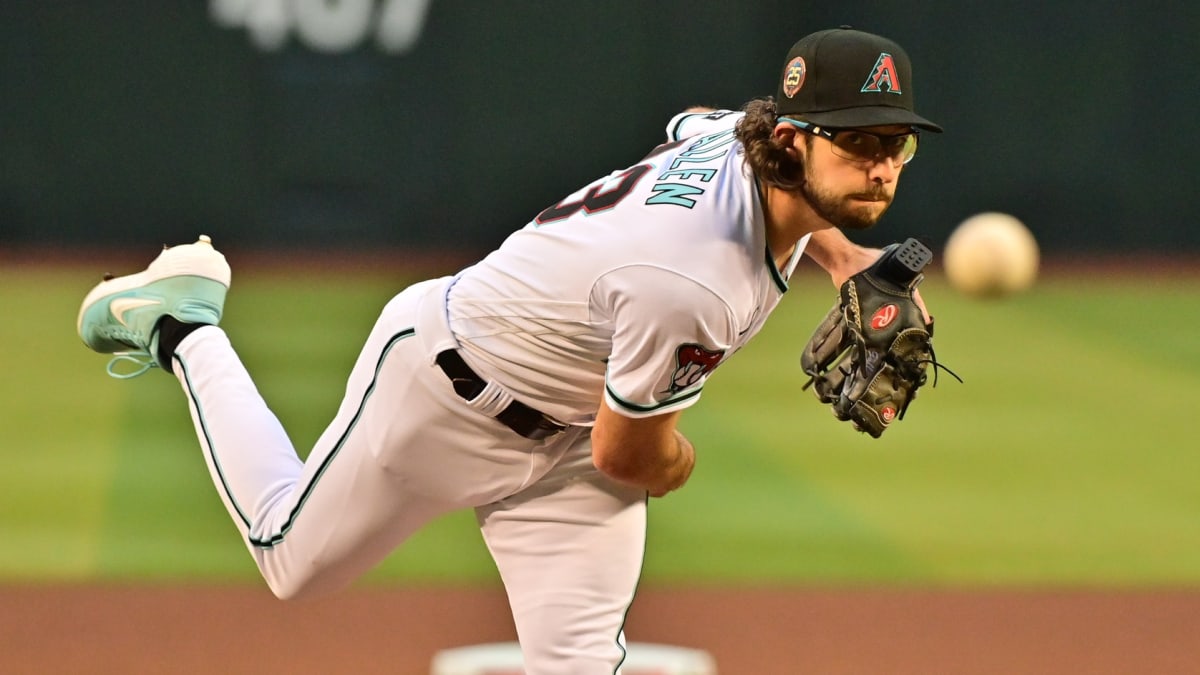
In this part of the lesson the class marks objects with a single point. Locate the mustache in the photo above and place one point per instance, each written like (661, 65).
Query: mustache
(878, 194)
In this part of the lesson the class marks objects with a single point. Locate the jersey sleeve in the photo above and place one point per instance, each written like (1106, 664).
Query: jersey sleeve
(688, 124)
(670, 333)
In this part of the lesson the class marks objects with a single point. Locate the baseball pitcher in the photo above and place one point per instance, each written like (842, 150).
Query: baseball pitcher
(542, 387)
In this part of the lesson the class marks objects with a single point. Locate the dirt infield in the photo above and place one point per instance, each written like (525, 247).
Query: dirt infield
(748, 632)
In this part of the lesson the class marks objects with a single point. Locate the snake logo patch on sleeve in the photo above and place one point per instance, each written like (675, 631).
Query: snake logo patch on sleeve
(692, 364)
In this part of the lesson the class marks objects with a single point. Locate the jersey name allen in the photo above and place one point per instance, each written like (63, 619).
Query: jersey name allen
(703, 150)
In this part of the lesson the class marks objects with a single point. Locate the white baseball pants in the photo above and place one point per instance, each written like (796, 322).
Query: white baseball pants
(404, 449)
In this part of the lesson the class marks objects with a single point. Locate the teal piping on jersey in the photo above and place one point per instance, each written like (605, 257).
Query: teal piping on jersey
(776, 275)
(291, 519)
(683, 396)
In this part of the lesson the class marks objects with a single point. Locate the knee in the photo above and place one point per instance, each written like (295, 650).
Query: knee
(292, 588)
(284, 591)
(300, 583)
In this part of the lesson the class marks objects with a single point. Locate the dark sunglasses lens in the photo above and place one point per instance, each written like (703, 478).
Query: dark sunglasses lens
(857, 145)
(861, 146)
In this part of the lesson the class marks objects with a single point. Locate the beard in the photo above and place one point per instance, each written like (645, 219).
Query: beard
(839, 211)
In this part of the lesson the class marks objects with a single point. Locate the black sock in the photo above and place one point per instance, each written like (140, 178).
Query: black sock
(171, 332)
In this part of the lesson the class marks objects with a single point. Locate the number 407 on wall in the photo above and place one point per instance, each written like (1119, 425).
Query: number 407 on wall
(331, 26)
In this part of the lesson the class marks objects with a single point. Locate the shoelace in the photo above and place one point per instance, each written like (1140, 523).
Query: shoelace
(142, 359)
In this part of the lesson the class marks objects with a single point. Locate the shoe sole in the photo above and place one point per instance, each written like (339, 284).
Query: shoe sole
(200, 261)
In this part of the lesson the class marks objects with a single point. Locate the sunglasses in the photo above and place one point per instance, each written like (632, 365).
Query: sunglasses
(864, 146)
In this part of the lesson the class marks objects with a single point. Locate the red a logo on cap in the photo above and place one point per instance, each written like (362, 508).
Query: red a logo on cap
(883, 75)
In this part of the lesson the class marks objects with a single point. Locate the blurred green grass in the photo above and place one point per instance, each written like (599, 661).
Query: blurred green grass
(1065, 458)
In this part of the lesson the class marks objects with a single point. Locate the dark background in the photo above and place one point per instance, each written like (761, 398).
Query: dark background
(127, 121)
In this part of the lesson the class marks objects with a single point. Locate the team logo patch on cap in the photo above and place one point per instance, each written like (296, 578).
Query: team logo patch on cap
(884, 76)
(692, 364)
(793, 76)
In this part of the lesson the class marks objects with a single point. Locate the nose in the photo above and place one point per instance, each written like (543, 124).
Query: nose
(885, 170)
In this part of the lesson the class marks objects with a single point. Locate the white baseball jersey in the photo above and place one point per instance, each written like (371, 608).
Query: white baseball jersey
(638, 285)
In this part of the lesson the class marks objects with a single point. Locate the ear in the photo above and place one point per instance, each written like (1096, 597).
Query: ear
(785, 132)
(787, 136)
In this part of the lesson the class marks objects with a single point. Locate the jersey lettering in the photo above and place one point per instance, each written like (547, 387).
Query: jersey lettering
(600, 196)
(703, 149)
(711, 141)
(675, 194)
(664, 147)
(684, 174)
(679, 194)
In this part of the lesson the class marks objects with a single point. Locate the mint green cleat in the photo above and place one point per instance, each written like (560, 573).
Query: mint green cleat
(120, 315)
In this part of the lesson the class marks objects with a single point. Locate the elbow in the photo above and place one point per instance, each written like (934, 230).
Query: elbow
(613, 465)
(618, 464)
(635, 451)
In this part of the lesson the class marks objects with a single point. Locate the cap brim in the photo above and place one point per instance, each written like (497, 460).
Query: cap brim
(869, 116)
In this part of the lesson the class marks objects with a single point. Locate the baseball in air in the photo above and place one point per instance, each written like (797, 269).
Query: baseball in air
(991, 255)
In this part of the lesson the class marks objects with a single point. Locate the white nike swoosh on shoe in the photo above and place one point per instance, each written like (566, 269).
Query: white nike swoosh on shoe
(120, 306)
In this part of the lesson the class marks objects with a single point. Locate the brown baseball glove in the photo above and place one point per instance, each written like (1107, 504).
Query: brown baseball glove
(869, 356)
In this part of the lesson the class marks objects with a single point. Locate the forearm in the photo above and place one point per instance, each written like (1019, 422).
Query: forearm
(658, 469)
(649, 453)
(837, 255)
(842, 258)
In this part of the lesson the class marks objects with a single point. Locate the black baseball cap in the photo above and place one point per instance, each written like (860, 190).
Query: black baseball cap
(847, 78)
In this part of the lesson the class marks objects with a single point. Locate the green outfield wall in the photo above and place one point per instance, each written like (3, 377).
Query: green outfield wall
(450, 122)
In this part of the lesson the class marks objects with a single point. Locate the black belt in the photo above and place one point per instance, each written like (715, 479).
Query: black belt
(517, 416)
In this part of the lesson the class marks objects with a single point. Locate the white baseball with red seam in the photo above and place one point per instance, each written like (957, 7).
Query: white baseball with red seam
(991, 255)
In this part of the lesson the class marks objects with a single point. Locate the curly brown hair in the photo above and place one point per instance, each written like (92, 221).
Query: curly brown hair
(767, 157)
